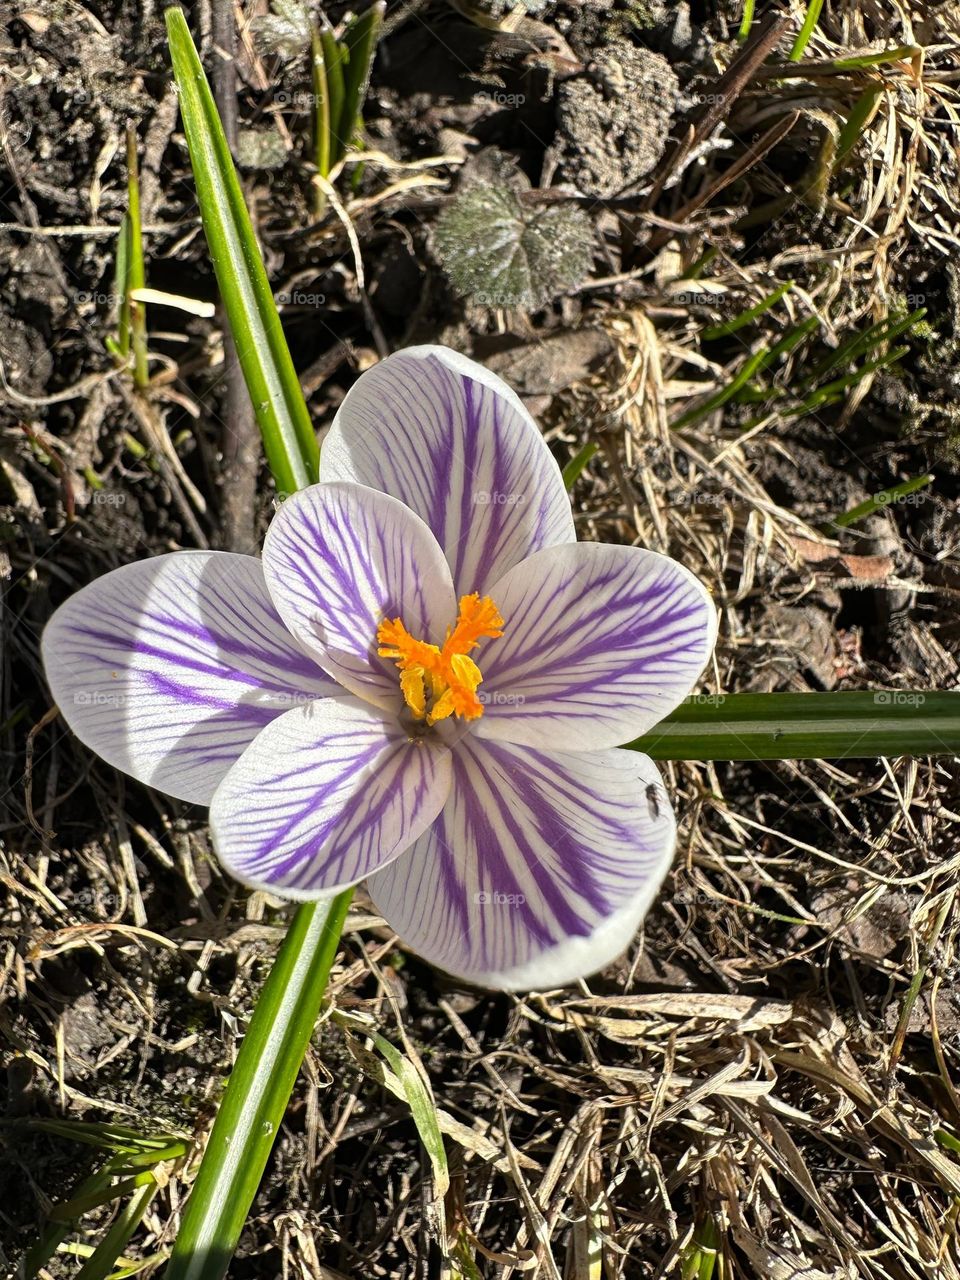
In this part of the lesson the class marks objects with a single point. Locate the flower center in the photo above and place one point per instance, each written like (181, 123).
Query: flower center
(439, 682)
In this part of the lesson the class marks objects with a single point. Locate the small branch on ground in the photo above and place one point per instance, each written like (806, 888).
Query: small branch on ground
(240, 440)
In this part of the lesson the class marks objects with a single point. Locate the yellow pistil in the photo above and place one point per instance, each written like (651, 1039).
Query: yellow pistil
(435, 681)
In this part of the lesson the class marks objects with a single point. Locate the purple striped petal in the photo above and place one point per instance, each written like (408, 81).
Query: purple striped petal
(338, 559)
(327, 794)
(538, 871)
(454, 443)
(169, 668)
(600, 642)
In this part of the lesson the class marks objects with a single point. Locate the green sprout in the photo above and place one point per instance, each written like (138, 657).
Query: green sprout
(340, 70)
(130, 275)
(137, 1165)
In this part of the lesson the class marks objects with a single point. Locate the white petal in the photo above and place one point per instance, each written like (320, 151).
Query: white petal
(338, 559)
(540, 868)
(453, 442)
(600, 642)
(168, 668)
(327, 794)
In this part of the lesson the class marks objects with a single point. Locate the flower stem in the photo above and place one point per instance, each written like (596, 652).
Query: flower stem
(257, 1093)
(259, 1088)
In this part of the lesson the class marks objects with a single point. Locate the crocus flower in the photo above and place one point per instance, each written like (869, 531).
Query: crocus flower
(423, 684)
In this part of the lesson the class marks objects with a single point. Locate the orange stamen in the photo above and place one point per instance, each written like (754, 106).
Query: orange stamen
(445, 679)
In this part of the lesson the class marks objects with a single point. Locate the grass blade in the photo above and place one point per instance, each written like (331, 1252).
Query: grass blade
(571, 472)
(360, 40)
(256, 1097)
(83, 1203)
(807, 30)
(104, 1258)
(54, 1232)
(859, 344)
(135, 270)
(755, 362)
(882, 499)
(856, 123)
(333, 59)
(902, 53)
(807, 726)
(278, 403)
(119, 344)
(321, 108)
(397, 1073)
(746, 317)
(746, 22)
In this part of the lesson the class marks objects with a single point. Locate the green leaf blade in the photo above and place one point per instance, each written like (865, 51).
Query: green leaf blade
(807, 726)
(278, 403)
(260, 1084)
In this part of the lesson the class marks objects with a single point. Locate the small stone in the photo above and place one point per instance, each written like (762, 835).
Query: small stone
(615, 119)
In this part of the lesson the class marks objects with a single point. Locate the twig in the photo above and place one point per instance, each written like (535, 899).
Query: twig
(718, 103)
(239, 441)
(752, 156)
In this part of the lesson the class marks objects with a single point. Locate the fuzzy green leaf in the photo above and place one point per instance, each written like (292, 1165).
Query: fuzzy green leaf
(500, 252)
(286, 30)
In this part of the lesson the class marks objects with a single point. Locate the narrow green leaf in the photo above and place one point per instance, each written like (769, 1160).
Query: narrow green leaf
(54, 1233)
(746, 22)
(321, 109)
(807, 726)
(726, 393)
(855, 123)
(902, 52)
(746, 317)
(791, 339)
(571, 472)
(360, 40)
(269, 1059)
(121, 344)
(277, 398)
(398, 1074)
(256, 1097)
(70, 1210)
(96, 1134)
(334, 56)
(860, 343)
(882, 499)
(104, 1258)
(807, 30)
(136, 271)
(832, 391)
